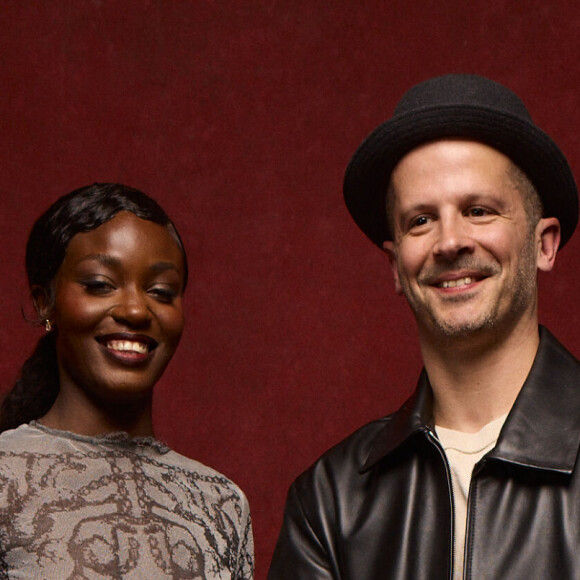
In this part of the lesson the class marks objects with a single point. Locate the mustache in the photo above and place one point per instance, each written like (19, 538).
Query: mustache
(436, 272)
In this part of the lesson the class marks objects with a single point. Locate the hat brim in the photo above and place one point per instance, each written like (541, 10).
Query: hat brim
(368, 173)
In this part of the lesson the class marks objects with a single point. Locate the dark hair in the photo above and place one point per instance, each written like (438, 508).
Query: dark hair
(82, 210)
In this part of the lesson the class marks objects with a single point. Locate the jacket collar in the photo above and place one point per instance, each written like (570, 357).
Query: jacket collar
(541, 431)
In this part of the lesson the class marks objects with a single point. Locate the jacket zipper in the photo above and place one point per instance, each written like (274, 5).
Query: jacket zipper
(467, 555)
(435, 440)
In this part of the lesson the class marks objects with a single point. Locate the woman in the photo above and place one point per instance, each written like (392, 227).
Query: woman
(86, 491)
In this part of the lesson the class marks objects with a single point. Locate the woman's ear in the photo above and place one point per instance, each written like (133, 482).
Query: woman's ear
(42, 300)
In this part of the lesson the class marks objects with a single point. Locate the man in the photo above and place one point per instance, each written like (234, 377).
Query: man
(476, 475)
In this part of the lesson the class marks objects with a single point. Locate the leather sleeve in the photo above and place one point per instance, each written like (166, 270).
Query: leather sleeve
(300, 553)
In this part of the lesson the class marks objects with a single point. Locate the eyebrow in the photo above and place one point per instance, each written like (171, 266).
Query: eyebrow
(469, 198)
(112, 262)
(103, 259)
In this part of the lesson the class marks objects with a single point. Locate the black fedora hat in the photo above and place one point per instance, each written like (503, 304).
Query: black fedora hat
(467, 106)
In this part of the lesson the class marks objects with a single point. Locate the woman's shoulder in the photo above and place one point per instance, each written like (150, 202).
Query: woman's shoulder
(40, 448)
(21, 439)
(43, 446)
(201, 474)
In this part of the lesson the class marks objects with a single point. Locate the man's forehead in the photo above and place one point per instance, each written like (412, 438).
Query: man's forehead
(452, 146)
(465, 169)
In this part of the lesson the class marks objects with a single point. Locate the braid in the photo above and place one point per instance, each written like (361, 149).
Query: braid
(36, 390)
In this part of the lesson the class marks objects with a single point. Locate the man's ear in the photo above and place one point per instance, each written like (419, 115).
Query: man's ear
(42, 302)
(389, 248)
(548, 238)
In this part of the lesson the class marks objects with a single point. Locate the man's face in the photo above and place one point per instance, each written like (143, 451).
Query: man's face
(463, 253)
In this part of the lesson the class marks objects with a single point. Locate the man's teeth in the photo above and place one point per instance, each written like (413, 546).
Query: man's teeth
(127, 345)
(455, 283)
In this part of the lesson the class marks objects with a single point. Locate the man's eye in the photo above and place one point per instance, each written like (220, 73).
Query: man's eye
(478, 212)
(419, 221)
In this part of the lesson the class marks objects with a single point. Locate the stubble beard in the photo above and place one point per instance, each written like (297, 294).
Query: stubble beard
(521, 289)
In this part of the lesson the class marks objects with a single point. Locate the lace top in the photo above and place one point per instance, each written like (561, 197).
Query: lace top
(114, 507)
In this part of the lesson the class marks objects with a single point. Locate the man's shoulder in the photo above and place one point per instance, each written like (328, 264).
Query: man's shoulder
(557, 351)
(347, 458)
(554, 363)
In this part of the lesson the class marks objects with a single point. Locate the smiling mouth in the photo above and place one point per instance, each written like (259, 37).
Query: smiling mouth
(456, 283)
(127, 346)
(136, 349)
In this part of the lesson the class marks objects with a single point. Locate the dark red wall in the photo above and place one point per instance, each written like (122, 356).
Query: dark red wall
(240, 118)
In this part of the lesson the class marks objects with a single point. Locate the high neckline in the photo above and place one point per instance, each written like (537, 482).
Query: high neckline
(114, 438)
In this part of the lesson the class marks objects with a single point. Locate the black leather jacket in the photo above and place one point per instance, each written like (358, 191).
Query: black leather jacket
(379, 504)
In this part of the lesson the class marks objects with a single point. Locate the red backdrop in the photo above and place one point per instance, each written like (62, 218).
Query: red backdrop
(240, 117)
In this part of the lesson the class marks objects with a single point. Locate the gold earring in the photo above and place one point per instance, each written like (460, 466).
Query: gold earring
(47, 325)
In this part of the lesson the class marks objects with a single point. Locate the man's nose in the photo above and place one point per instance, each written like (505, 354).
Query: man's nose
(453, 238)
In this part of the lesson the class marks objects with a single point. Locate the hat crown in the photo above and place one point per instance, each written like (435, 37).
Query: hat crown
(466, 107)
(457, 90)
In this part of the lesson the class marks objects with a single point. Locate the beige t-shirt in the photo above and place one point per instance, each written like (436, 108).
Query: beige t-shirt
(463, 451)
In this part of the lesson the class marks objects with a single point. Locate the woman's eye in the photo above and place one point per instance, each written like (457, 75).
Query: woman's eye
(163, 294)
(97, 286)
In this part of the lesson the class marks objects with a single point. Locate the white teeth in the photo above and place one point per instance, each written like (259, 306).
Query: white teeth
(127, 345)
(459, 282)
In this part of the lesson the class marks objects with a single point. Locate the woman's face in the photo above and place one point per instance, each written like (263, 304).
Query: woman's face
(118, 309)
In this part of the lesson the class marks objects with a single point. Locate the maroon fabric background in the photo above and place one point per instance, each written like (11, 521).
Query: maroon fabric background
(240, 118)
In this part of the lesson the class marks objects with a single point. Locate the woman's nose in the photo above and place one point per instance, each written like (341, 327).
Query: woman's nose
(132, 308)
